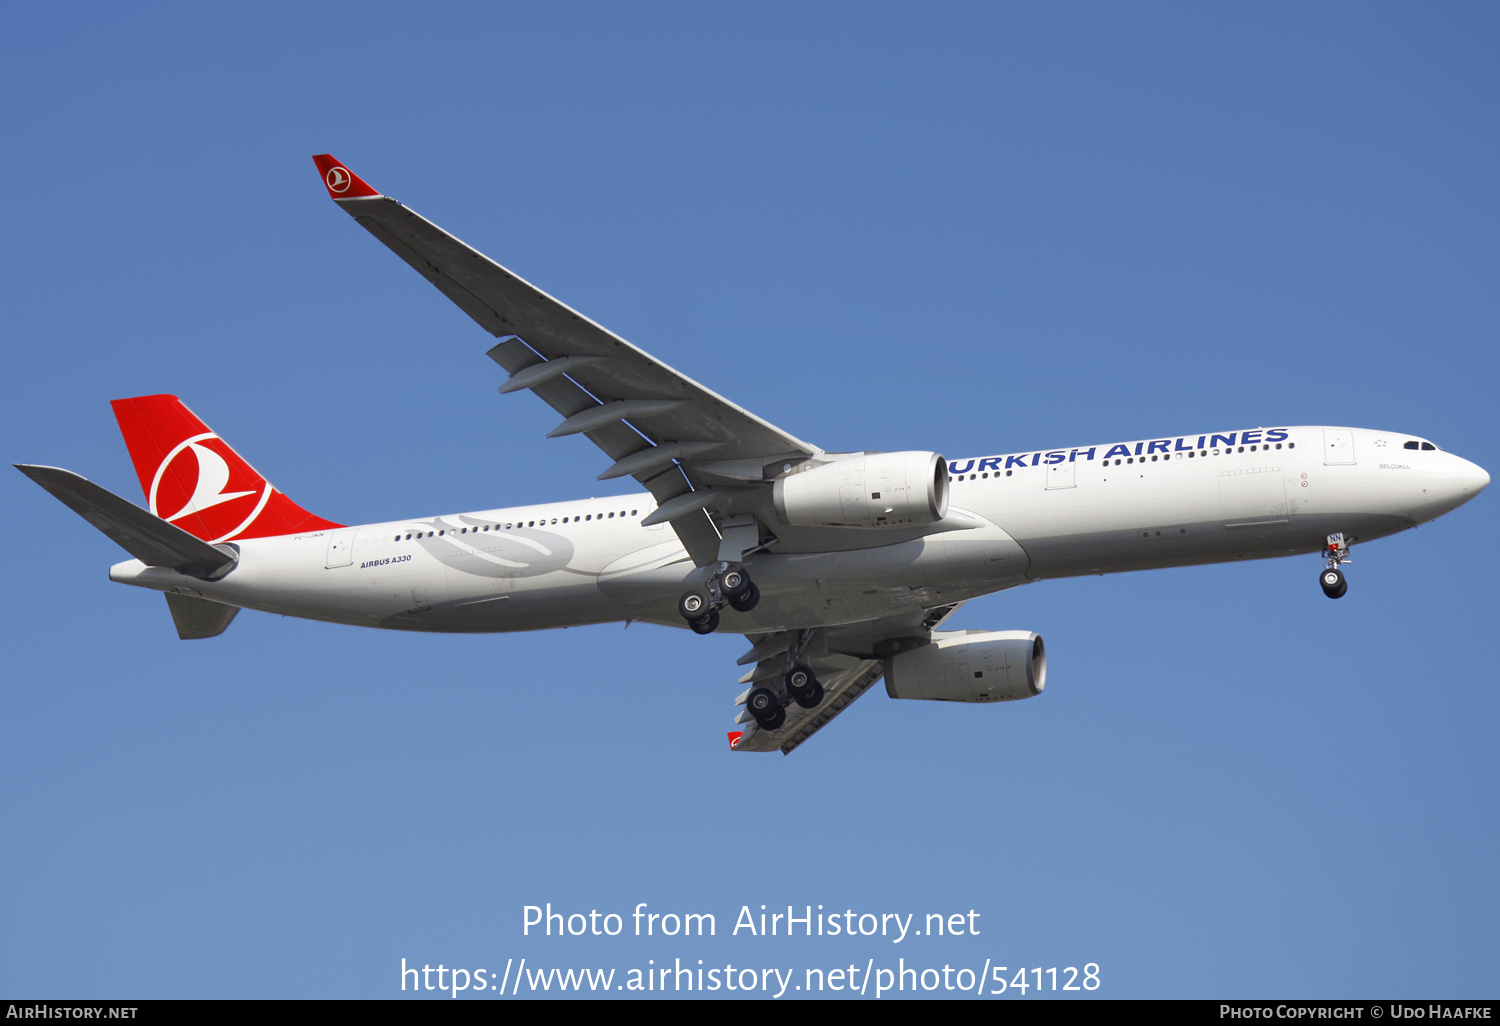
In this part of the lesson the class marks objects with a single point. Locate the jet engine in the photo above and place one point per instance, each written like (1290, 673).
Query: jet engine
(883, 489)
(970, 666)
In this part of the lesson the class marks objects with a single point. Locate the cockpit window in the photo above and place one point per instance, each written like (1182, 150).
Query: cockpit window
(1410, 445)
(1423, 446)
(1428, 447)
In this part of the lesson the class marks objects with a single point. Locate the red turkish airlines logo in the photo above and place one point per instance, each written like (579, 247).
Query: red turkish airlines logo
(204, 477)
(338, 179)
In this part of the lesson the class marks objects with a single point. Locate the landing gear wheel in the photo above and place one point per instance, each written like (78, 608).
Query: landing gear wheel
(735, 584)
(766, 708)
(1333, 582)
(705, 624)
(813, 700)
(694, 605)
(800, 684)
(747, 601)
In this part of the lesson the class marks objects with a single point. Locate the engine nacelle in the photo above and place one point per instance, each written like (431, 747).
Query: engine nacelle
(970, 666)
(884, 489)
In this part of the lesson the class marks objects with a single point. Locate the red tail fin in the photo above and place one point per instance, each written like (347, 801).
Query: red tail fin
(193, 479)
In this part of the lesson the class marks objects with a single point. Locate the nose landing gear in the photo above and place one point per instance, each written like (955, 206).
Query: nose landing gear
(1333, 583)
(1332, 578)
(730, 585)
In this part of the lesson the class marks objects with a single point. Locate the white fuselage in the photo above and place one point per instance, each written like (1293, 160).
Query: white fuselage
(1011, 520)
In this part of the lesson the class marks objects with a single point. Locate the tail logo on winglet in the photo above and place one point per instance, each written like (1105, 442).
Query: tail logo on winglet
(338, 179)
(203, 461)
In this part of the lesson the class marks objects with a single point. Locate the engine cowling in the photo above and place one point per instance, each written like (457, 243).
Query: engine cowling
(970, 666)
(884, 489)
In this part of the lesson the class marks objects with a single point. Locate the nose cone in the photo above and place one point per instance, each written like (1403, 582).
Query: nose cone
(1461, 483)
(1479, 477)
(1444, 483)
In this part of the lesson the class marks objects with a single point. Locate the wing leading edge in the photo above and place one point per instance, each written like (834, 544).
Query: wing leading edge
(653, 422)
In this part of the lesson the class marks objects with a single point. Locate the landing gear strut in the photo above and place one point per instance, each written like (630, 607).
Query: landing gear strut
(1332, 578)
(730, 585)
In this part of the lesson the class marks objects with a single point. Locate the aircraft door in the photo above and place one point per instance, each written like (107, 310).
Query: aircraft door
(340, 548)
(1062, 475)
(1338, 447)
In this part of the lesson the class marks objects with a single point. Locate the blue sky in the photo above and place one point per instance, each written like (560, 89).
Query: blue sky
(969, 228)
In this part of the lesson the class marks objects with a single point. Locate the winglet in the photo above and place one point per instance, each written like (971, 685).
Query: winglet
(341, 182)
(734, 738)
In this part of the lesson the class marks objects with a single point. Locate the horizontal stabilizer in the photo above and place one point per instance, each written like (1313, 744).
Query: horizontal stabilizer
(199, 618)
(146, 537)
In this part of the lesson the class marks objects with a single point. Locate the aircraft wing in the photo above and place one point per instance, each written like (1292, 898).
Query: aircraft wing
(840, 688)
(658, 425)
(845, 659)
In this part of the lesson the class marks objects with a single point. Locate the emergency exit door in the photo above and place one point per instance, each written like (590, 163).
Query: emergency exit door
(1338, 446)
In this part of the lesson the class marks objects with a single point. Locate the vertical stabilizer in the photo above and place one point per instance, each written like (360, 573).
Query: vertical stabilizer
(193, 479)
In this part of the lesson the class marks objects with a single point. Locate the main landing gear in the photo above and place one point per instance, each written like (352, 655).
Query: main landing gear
(798, 684)
(730, 585)
(804, 687)
(766, 705)
(1332, 578)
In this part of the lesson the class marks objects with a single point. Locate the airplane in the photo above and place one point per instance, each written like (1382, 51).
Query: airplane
(839, 568)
